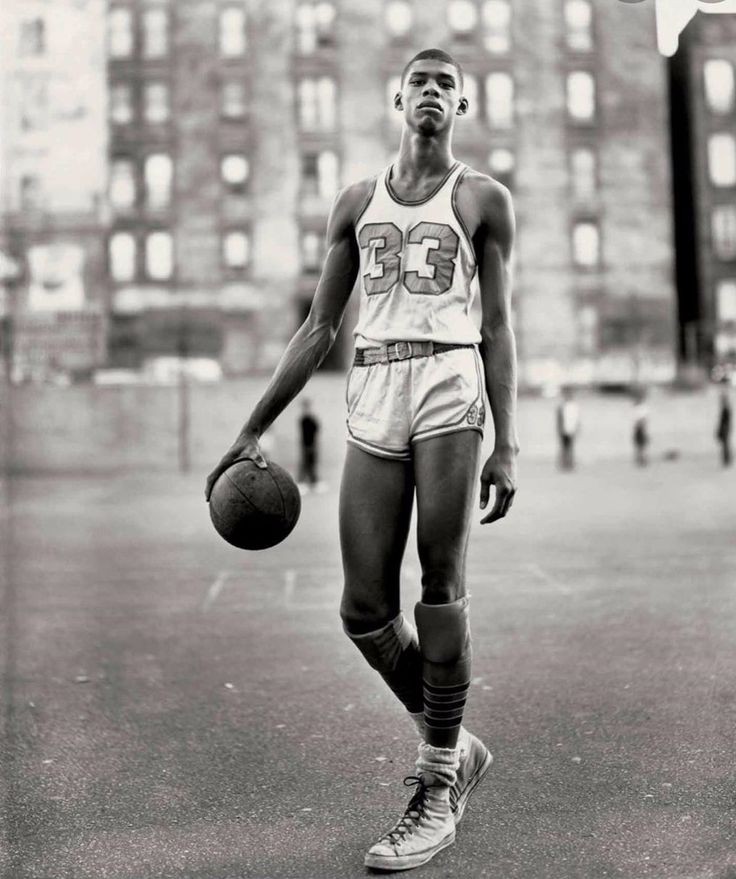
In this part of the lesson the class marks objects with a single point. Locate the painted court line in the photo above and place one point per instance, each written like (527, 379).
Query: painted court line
(214, 590)
(289, 585)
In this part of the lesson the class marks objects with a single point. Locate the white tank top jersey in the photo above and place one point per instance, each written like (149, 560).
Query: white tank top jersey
(417, 267)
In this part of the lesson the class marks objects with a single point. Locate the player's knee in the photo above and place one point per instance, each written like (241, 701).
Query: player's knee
(359, 616)
(444, 631)
(441, 584)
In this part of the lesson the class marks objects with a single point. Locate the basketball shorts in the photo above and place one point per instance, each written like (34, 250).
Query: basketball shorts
(393, 405)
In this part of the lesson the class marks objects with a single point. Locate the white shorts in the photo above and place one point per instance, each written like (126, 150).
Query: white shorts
(392, 405)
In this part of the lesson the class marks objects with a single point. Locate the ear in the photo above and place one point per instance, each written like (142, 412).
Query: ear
(398, 102)
(462, 107)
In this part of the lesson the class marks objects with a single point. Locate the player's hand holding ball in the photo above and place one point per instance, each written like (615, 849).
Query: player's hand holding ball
(245, 446)
(254, 504)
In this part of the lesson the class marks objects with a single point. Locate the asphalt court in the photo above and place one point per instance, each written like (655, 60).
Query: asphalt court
(174, 707)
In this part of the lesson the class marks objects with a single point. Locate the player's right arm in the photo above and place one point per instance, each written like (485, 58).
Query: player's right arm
(314, 338)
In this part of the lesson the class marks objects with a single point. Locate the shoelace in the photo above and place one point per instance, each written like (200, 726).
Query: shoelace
(414, 811)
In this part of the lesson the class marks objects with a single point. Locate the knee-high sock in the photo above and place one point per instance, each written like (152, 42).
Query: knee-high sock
(393, 651)
(444, 639)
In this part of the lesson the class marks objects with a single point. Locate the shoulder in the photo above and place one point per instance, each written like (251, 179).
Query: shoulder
(352, 200)
(485, 205)
(489, 196)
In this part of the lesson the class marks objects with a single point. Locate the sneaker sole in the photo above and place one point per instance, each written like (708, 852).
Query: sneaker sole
(407, 862)
(462, 800)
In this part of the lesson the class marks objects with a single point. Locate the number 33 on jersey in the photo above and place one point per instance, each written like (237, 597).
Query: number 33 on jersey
(416, 267)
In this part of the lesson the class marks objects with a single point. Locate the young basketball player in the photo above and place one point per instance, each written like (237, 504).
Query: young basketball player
(415, 235)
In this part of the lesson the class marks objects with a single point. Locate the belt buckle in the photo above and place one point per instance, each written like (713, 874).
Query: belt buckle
(403, 350)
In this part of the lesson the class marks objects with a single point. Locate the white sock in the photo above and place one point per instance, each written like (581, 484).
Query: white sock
(441, 764)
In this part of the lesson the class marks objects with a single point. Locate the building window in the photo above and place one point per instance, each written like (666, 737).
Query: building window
(122, 256)
(34, 104)
(157, 173)
(719, 85)
(499, 100)
(155, 33)
(29, 194)
(317, 100)
(159, 255)
(581, 96)
(234, 170)
(311, 249)
(723, 230)
(320, 175)
(122, 183)
(586, 244)
(578, 25)
(235, 250)
(726, 300)
(32, 37)
(462, 17)
(121, 103)
(232, 32)
(583, 172)
(233, 100)
(399, 17)
(722, 159)
(501, 163)
(470, 91)
(156, 102)
(315, 24)
(497, 26)
(120, 32)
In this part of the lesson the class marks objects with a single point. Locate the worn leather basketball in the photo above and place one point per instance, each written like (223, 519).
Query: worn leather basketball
(253, 508)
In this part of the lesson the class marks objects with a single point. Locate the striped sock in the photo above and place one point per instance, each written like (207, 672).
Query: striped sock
(443, 710)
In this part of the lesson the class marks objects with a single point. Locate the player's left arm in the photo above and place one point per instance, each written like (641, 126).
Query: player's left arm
(494, 241)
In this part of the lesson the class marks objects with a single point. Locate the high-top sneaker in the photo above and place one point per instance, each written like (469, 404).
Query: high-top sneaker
(475, 761)
(426, 827)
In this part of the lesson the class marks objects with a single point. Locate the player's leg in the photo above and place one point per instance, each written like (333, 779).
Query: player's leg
(445, 469)
(376, 498)
(445, 472)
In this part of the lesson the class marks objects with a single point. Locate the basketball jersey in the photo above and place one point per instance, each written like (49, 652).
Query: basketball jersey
(417, 267)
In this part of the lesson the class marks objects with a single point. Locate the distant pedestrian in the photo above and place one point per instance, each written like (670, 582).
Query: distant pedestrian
(308, 433)
(723, 428)
(641, 428)
(568, 424)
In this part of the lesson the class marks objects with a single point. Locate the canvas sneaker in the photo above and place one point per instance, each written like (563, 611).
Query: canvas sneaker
(426, 827)
(475, 761)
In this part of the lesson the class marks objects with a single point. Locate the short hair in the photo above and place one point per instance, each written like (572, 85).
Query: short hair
(434, 55)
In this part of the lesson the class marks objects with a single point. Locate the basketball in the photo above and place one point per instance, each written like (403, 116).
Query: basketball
(253, 508)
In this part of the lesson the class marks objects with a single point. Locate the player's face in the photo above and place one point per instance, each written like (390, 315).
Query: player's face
(430, 96)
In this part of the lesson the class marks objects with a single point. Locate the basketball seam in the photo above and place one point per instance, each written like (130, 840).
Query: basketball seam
(278, 489)
(244, 496)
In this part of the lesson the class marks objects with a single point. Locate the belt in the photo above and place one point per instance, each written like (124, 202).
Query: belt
(401, 351)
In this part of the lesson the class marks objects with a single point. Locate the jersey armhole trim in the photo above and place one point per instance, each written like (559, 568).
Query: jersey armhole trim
(460, 220)
(366, 203)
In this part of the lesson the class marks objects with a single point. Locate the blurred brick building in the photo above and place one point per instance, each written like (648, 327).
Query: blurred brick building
(703, 87)
(232, 123)
(53, 173)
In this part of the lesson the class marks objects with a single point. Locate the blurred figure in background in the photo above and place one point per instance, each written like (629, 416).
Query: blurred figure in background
(568, 424)
(641, 427)
(308, 432)
(723, 428)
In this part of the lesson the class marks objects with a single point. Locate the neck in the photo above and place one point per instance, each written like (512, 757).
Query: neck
(421, 156)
